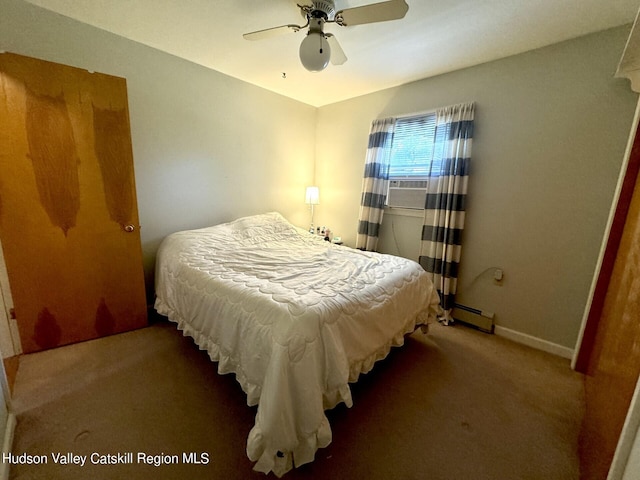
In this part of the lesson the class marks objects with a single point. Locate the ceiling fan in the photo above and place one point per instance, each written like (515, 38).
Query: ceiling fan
(318, 47)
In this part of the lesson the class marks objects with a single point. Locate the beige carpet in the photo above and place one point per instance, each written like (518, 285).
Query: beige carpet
(456, 404)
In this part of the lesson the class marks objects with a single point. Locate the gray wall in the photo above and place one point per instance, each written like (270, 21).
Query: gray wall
(551, 127)
(551, 130)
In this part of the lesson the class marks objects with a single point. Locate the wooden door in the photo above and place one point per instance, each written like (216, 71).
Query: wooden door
(68, 214)
(611, 356)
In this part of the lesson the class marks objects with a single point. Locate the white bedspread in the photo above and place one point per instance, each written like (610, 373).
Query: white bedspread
(294, 317)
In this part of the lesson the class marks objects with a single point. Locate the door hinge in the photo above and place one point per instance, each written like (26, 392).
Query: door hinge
(12, 313)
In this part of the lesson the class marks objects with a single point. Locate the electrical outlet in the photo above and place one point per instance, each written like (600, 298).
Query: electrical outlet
(498, 275)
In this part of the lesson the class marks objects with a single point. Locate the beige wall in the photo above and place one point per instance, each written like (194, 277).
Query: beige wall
(207, 147)
(551, 129)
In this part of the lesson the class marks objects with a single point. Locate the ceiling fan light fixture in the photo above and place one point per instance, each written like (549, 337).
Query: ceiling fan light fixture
(315, 49)
(315, 52)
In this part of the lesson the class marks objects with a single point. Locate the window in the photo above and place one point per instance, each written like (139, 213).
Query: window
(413, 159)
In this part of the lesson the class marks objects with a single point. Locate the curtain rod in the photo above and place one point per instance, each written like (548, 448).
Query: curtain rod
(408, 115)
(417, 114)
(424, 112)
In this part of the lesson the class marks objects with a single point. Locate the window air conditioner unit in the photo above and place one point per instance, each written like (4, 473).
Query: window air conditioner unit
(407, 193)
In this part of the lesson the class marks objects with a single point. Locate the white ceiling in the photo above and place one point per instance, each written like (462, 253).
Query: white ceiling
(435, 37)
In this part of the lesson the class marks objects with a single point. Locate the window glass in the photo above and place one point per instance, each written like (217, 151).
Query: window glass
(412, 152)
(413, 160)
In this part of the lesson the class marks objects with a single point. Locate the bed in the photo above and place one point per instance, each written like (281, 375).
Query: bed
(294, 317)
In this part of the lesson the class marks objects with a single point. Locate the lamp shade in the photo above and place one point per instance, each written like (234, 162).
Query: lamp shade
(315, 52)
(312, 196)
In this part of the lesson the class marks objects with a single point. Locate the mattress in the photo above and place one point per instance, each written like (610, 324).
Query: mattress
(294, 317)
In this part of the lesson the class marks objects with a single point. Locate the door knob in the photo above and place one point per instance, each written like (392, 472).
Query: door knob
(129, 228)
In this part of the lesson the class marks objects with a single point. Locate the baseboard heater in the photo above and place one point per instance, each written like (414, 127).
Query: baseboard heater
(480, 319)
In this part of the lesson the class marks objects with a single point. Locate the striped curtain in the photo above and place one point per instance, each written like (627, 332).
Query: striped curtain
(445, 202)
(375, 183)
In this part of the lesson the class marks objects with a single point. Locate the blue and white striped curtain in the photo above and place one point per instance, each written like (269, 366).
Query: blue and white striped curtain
(375, 183)
(445, 202)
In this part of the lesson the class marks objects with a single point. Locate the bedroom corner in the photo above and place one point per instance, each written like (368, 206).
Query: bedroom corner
(516, 192)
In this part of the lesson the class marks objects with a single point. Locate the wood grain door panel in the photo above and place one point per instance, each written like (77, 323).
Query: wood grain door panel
(67, 201)
(614, 355)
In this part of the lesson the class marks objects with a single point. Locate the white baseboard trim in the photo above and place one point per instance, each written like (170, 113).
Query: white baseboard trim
(535, 342)
(7, 444)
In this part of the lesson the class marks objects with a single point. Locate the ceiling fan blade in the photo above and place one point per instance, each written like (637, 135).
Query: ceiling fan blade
(271, 32)
(376, 12)
(337, 54)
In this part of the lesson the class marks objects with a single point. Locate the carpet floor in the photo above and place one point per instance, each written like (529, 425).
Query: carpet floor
(453, 404)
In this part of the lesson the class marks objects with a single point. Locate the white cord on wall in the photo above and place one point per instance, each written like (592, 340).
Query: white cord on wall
(395, 239)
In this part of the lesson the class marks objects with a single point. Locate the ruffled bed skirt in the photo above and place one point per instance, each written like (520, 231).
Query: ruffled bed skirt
(260, 448)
